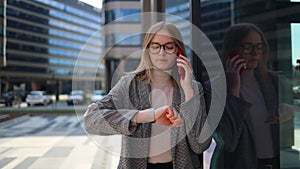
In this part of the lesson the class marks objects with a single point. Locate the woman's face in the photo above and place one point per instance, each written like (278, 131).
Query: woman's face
(162, 50)
(251, 49)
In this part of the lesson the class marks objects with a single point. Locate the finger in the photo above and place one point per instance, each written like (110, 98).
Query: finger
(169, 112)
(185, 68)
(177, 123)
(237, 65)
(241, 66)
(174, 117)
(185, 59)
(232, 62)
(228, 65)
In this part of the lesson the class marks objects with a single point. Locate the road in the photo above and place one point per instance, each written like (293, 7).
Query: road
(59, 105)
(50, 142)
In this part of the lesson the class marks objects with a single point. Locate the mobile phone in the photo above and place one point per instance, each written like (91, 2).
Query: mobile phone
(234, 53)
(180, 69)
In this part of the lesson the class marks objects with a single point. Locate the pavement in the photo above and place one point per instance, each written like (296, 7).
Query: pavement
(58, 141)
(51, 142)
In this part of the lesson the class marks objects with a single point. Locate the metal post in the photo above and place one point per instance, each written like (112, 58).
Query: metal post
(198, 68)
(146, 21)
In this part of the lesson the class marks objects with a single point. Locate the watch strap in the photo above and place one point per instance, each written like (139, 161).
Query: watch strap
(152, 115)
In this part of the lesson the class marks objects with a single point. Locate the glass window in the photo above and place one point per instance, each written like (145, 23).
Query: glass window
(26, 37)
(120, 15)
(71, 10)
(180, 8)
(71, 27)
(120, 39)
(31, 28)
(75, 20)
(291, 157)
(27, 6)
(28, 48)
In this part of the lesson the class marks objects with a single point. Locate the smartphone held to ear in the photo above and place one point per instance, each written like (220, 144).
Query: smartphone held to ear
(180, 69)
(234, 53)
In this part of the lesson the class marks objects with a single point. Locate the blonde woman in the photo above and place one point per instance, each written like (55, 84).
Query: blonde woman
(248, 127)
(158, 111)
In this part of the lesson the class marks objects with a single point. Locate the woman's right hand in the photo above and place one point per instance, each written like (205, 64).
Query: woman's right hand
(233, 68)
(167, 115)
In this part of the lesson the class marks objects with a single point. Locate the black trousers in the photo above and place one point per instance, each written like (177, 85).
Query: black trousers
(168, 165)
(268, 163)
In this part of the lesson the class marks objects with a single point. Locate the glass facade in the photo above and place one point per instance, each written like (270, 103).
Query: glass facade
(279, 20)
(53, 37)
(120, 14)
(123, 39)
(212, 23)
(180, 8)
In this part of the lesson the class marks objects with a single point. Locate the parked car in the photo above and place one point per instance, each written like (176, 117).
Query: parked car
(296, 92)
(97, 95)
(38, 97)
(76, 97)
(7, 98)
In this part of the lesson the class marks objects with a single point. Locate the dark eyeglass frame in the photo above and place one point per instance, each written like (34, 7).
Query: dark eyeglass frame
(164, 47)
(250, 48)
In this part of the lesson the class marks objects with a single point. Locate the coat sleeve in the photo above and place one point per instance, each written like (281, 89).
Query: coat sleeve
(194, 115)
(232, 122)
(109, 116)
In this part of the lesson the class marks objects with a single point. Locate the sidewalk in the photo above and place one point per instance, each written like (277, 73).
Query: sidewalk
(59, 142)
(50, 142)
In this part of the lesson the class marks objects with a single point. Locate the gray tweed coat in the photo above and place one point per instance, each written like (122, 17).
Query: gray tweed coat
(114, 114)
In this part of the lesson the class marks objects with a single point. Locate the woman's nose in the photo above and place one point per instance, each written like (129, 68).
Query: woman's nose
(162, 51)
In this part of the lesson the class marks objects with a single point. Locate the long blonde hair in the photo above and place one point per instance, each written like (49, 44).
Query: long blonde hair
(145, 67)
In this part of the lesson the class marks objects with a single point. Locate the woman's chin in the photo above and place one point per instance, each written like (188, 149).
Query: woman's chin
(252, 66)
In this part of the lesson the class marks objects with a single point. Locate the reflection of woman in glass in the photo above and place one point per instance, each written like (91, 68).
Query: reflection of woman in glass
(250, 140)
(158, 112)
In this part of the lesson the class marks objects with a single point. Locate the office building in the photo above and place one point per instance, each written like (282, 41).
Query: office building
(50, 45)
(122, 37)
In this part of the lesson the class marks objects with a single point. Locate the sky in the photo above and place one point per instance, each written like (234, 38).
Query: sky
(95, 3)
(295, 29)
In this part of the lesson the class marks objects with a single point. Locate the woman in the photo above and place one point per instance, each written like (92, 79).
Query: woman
(250, 140)
(158, 112)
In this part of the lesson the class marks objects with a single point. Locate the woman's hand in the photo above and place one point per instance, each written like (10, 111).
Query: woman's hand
(186, 80)
(234, 66)
(167, 115)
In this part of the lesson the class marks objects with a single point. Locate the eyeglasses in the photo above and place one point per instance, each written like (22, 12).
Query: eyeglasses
(169, 48)
(250, 48)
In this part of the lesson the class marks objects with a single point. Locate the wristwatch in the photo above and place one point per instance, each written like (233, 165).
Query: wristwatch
(152, 115)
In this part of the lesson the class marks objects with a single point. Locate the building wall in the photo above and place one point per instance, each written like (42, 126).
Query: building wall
(50, 41)
(122, 37)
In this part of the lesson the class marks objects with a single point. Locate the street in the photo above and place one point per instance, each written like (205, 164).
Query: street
(50, 142)
(53, 106)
